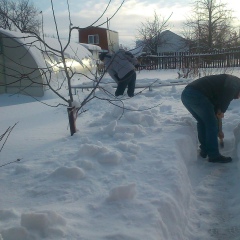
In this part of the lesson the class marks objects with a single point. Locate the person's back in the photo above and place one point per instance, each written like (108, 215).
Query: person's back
(120, 63)
(219, 89)
(121, 67)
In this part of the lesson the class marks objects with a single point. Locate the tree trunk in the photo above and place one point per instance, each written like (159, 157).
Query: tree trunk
(71, 118)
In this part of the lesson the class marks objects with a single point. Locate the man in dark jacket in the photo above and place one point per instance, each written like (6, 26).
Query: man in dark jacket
(207, 99)
(121, 67)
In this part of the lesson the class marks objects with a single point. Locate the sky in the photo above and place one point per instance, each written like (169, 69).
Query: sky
(127, 20)
(125, 175)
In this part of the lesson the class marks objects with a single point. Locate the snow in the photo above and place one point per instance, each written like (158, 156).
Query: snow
(74, 51)
(125, 175)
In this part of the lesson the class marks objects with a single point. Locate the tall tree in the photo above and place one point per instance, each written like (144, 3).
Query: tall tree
(150, 30)
(22, 13)
(210, 24)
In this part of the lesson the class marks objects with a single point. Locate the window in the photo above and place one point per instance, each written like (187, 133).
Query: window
(93, 39)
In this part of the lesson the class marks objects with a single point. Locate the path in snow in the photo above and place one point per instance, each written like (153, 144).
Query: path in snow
(218, 197)
(223, 182)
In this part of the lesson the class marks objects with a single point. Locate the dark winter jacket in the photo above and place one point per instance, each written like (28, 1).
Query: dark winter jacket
(118, 65)
(219, 89)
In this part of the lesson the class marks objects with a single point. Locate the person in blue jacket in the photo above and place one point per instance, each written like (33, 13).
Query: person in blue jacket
(207, 99)
(121, 67)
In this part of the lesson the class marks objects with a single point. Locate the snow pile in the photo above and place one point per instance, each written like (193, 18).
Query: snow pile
(128, 173)
(70, 173)
(119, 193)
(43, 224)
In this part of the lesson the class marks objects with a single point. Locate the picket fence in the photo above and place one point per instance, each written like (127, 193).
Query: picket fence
(223, 58)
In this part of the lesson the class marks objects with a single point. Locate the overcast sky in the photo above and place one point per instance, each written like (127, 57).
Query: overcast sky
(127, 20)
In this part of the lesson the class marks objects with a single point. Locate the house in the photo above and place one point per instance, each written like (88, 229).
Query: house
(171, 42)
(107, 39)
(27, 66)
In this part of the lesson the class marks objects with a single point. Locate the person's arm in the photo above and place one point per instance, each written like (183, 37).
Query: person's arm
(228, 96)
(108, 61)
(220, 114)
(113, 75)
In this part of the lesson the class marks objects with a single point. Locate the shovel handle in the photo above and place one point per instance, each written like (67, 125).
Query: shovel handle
(220, 132)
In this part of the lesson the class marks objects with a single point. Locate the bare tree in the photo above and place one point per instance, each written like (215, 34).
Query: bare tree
(56, 55)
(210, 25)
(149, 33)
(3, 139)
(21, 14)
(5, 22)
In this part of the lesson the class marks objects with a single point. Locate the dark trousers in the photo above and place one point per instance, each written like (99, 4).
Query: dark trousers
(207, 124)
(127, 81)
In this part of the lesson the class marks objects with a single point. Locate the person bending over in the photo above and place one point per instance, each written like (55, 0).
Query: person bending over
(207, 99)
(121, 67)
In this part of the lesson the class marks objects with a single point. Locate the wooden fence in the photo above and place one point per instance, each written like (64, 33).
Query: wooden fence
(224, 58)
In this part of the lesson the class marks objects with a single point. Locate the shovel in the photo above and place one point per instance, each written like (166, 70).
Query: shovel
(220, 133)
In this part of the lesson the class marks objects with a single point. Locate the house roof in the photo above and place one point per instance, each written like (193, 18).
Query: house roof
(172, 42)
(137, 51)
(92, 27)
(91, 46)
(168, 33)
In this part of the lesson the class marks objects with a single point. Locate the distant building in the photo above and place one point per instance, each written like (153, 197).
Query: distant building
(138, 50)
(171, 42)
(107, 39)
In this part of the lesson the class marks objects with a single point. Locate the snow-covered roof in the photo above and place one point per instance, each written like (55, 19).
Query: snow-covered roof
(172, 42)
(74, 51)
(137, 51)
(91, 47)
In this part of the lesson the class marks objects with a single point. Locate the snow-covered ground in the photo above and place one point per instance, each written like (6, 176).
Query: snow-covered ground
(125, 175)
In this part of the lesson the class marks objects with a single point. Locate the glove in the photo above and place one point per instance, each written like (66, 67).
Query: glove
(220, 135)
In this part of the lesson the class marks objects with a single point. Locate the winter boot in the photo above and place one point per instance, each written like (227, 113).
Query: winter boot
(220, 159)
(203, 154)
